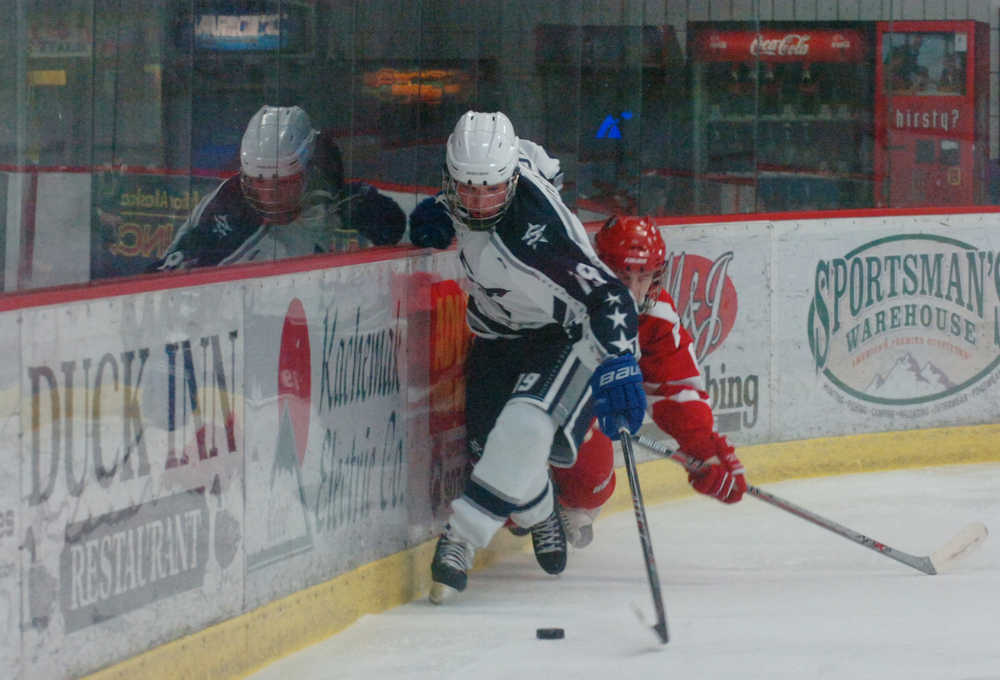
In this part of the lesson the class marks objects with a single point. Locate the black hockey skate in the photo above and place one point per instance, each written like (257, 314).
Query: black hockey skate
(449, 569)
(548, 538)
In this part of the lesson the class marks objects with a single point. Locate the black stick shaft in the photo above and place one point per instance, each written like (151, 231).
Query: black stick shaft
(647, 545)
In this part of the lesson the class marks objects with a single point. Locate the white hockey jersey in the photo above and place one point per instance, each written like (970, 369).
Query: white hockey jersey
(537, 267)
(535, 157)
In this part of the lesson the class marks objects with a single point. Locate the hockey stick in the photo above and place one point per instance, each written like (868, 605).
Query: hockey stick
(940, 560)
(660, 627)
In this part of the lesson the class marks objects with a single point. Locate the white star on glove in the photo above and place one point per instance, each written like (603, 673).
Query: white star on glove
(613, 299)
(617, 319)
(622, 344)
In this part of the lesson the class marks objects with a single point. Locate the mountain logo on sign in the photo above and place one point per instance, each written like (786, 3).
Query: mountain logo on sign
(907, 378)
(287, 531)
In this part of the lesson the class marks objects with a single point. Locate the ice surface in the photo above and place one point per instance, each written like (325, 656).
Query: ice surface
(750, 591)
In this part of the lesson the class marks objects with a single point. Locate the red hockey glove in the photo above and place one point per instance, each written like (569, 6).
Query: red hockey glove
(723, 475)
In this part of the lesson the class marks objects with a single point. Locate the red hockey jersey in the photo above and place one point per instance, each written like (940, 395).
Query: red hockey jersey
(674, 385)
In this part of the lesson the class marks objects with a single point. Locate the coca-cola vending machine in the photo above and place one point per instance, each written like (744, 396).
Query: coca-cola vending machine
(931, 113)
(782, 116)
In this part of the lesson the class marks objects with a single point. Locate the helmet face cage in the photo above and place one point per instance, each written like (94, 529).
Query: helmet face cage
(279, 198)
(482, 152)
(274, 156)
(633, 245)
(485, 216)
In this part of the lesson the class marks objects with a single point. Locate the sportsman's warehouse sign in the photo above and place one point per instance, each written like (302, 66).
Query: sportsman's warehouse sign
(910, 322)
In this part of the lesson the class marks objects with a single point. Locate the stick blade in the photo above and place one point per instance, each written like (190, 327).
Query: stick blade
(659, 629)
(964, 542)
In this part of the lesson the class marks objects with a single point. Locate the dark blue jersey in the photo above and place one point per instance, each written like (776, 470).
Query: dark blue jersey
(224, 228)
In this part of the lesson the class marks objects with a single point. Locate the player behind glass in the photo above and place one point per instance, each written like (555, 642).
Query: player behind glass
(289, 199)
(554, 343)
(675, 392)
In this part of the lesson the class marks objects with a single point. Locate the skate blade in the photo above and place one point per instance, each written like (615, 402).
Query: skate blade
(440, 593)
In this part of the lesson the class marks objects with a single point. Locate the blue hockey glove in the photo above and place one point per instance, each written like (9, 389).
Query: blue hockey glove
(618, 395)
(430, 225)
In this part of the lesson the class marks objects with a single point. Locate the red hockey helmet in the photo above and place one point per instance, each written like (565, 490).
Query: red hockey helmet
(634, 249)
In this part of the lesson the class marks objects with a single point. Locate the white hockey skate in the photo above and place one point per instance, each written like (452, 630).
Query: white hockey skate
(579, 525)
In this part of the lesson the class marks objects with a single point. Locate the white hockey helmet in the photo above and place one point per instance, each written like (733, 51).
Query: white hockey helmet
(481, 169)
(277, 146)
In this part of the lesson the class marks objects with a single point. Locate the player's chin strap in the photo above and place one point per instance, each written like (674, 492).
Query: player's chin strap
(940, 560)
(660, 627)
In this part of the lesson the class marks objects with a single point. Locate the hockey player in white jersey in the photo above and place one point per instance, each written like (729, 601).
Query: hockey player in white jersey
(289, 199)
(555, 343)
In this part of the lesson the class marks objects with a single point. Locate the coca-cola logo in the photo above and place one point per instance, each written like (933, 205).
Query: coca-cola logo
(839, 42)
(792, 44)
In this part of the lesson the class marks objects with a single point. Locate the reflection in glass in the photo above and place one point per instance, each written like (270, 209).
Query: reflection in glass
(108, 102)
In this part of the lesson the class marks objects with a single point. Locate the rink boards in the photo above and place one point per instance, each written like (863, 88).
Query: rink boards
(243, 463)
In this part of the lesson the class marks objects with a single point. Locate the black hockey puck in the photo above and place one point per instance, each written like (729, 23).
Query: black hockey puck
(550, 633)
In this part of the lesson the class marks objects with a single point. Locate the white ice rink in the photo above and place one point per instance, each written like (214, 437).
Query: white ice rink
(751, 592)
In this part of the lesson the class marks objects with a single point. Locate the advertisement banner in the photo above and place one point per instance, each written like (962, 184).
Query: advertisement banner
(136, 217)
(327, 470)
(718, 278)
(887, 327)
(177, 458)
(71, 35)
(450, 340)
(805, 44)
(131, 474)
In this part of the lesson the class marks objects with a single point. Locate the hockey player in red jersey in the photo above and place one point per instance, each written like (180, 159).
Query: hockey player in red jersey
(676, 398)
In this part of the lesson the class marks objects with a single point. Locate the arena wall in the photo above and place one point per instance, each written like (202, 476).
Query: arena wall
(214, 469)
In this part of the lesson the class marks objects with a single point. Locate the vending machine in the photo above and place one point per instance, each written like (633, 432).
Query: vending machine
(931, 113)
(783, 115)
